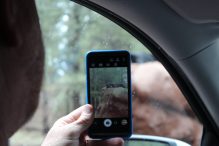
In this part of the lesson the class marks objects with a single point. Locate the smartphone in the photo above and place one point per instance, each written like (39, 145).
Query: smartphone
(109, 91)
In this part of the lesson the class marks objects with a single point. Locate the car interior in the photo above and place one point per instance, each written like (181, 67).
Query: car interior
(174, 54)
(184, 37)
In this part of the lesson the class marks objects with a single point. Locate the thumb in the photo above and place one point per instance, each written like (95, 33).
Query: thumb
(85, 119)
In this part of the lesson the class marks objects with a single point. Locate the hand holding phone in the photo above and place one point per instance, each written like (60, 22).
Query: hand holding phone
(109, 91)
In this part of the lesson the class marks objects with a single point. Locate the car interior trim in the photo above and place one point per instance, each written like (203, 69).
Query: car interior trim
(173, 68)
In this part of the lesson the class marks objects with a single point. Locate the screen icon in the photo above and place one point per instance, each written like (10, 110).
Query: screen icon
(100, 64)
(124, 122)
(107, 122)
(115, 122)
(93, 65)
(107, 64)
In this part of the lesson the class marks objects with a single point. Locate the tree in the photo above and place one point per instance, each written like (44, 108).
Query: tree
(69, 31)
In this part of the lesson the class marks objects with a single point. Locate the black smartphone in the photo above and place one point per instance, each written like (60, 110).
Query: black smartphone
(109, 91)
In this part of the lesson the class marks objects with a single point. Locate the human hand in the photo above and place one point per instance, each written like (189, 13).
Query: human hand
(70, 130)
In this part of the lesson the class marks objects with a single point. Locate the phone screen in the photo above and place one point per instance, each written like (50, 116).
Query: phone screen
(109, 91)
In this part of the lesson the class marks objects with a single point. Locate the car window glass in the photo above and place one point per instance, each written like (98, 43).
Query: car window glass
(69, 31)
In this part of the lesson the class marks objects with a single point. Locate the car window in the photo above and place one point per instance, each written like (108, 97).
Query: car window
(69, 31)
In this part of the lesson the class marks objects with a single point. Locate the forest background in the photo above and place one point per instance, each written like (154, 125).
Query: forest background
(69, 31)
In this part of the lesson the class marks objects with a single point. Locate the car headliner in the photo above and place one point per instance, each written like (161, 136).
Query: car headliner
(201, 11)
(189, 43)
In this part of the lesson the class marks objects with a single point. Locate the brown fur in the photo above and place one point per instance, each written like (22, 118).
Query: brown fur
(114, 103)
(159, 108)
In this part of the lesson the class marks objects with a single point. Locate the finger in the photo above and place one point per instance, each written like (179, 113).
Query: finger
(108, 142)
(73, 116)
(84, 121)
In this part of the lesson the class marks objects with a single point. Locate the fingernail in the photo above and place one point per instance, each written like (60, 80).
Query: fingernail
(88, 109)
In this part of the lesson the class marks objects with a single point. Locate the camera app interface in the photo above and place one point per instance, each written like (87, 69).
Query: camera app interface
(109, 93)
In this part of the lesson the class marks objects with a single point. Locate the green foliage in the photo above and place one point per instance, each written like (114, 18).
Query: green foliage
(100, 77)
(69, 31)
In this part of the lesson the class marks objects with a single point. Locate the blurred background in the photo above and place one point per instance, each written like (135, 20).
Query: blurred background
(69, 31)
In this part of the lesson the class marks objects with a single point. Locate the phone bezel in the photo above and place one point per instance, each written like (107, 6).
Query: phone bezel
(111, 53)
